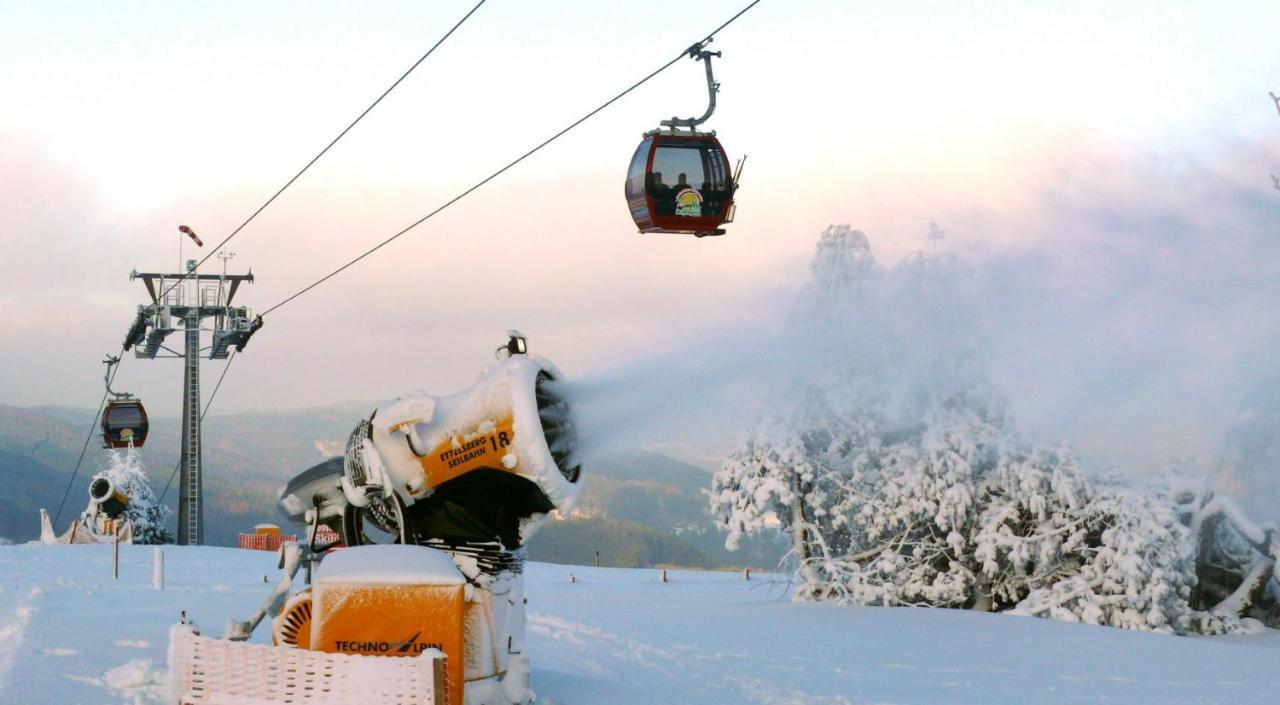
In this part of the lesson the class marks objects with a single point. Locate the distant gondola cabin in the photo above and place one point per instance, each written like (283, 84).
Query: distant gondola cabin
(124, 423)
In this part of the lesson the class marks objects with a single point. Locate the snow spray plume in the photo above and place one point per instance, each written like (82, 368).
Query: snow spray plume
(1134, 317)
(856, 330)
(1137, 318)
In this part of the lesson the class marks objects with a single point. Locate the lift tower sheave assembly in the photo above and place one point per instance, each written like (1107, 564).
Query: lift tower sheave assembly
(191, 298)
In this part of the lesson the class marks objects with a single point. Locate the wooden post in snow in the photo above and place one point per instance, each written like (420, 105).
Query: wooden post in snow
(115, 561)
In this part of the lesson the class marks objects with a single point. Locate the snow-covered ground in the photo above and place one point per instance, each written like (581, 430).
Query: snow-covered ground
(70, 634)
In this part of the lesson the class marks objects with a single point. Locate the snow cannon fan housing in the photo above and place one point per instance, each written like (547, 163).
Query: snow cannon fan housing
(486, 463)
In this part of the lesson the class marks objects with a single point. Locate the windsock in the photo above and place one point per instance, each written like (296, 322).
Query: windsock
(191, 234)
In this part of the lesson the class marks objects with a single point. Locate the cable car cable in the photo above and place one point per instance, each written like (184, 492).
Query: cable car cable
(254, 215)
(85, 448)
(683, 53)
(455, 199)
(207, 404)
(342, 134)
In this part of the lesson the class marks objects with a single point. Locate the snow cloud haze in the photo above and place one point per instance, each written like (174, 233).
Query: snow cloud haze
(1139, 310)
(1126, 305)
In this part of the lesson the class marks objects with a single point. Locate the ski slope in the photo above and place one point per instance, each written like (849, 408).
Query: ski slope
(71, 634)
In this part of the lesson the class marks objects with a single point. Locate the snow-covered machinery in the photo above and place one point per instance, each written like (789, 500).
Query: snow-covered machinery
(107, 498)
(463, 481)
(102, 521)
(476, 469)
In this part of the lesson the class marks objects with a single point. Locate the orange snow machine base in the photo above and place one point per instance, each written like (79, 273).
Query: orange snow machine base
(392, 611)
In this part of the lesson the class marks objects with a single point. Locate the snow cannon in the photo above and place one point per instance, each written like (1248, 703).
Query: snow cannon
(482, 466)
(109, 500)
(104, 519)
(464, 480)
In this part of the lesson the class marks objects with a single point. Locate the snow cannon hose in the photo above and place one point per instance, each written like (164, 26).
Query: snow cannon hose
(110, 500)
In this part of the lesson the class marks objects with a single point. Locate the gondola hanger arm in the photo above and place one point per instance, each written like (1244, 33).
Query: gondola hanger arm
(110, 362)
(699, 52)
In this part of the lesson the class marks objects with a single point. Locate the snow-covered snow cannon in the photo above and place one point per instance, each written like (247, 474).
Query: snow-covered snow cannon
(105, 517)
(464, 480)
(107, 498)
(482, 466)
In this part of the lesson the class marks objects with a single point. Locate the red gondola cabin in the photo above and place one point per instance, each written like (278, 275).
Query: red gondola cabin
(124, 422)
(680, 183)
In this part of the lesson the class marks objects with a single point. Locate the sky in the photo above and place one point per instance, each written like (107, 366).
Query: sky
(1102, 166)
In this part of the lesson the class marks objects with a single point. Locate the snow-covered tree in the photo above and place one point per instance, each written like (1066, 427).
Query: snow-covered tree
(147, 516)
(907, 507)
(868, 373)
(788, 477)
(783, 474)
(1120, 559)
(896, 471)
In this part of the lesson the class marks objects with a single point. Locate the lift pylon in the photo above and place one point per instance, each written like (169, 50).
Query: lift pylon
(184, 301)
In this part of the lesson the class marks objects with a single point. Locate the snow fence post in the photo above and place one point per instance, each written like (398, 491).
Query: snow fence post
(157, 569)
(115, 561)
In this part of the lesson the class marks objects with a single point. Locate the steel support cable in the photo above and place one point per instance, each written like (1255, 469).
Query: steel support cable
(517, 160)
(460, 196)
(88, 437)
(213, 395)
(290, 182)
(329, 146)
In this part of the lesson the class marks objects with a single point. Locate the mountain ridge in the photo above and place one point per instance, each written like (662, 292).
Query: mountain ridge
(636, 507)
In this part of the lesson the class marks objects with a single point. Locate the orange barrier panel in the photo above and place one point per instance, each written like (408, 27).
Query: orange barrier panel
(265, 542)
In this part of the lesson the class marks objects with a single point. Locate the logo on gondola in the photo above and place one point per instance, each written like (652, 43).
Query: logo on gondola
(689, 203)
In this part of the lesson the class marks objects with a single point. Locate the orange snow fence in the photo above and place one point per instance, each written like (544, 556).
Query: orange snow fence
(266, 542)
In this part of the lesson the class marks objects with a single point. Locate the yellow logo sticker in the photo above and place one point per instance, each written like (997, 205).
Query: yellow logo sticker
(689, 203)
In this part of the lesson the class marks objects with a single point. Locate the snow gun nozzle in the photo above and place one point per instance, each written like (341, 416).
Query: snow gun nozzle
(110, 500)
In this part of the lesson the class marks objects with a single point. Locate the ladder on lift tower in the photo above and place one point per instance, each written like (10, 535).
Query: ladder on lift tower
(191, 446)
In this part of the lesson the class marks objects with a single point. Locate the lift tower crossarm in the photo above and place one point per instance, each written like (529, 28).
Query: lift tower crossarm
(149, 279)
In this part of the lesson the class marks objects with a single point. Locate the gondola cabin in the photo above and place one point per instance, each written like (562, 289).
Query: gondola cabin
(680, 183)
(124, 422)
